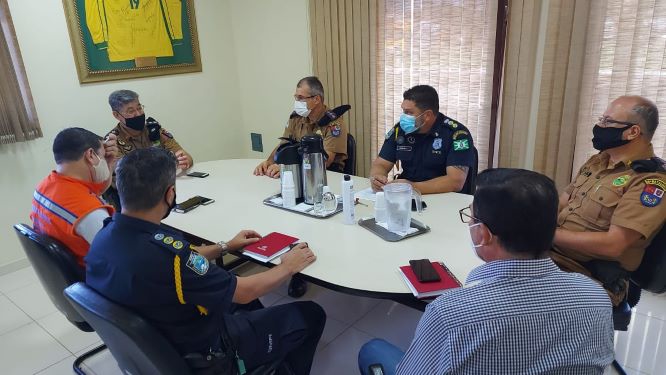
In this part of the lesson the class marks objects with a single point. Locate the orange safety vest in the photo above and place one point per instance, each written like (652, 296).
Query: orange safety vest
(58, 203)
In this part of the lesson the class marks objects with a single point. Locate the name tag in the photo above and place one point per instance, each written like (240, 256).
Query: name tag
(404, 148)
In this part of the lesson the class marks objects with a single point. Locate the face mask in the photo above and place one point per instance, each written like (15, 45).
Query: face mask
(605, 138)
(171, 205)
(408, 123)
(471, 240)
(301, 108)
(101, 172)
(136, 122)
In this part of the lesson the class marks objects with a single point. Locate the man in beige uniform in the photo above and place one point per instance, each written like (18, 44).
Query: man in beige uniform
(613, 209)
(312, 117)
(135, 132)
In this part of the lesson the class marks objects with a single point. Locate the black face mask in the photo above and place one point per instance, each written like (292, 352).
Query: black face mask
(171, 205)
(605, 138)
(136, 122)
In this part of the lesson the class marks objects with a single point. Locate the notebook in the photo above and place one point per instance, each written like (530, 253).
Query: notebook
(269, 247)
(426, 290)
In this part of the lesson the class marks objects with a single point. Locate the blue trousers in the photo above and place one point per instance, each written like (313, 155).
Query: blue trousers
(378, 351)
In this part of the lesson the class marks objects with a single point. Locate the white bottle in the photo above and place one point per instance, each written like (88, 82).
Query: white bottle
(329, 201)
(380, 208)
(288, 190)
(348, 200)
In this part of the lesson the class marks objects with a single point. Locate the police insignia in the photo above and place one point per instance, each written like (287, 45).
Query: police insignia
(178, 245)
(653, 192)
(437, 144)
(621, 181)
(168, 240)
(411, 140)
(458, 133)
(197, 263)
(159, 236)
(335, 130)
(461, 145)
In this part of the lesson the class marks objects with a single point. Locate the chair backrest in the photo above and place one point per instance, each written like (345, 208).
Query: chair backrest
(56, 268)
(650, 274)
(350, 163)
(137, 346)
(470, 182)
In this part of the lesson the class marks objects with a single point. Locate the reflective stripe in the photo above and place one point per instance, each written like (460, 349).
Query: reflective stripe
(54, 208)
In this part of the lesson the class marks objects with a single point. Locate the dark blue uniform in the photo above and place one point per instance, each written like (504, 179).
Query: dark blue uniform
(426, 156)
(155, 272)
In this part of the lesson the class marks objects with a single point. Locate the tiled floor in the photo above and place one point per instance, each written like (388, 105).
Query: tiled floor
(36, 339)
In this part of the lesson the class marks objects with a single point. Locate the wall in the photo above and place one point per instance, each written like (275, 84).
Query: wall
(273, 52)
(201, 109)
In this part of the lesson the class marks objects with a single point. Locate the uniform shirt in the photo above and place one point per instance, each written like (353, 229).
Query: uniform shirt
(334, 134)
(58, 206)
(602, 195)
(426, 156)
(127, 143)
(139, 264)
(135, 28)
(515, 317)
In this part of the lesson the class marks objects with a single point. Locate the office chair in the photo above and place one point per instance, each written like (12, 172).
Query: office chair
(56, 268)
(470, 182)
(137, 346)
(350, 163)
(648, 276)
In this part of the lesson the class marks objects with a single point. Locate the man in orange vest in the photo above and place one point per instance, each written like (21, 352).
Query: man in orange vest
(67, 204)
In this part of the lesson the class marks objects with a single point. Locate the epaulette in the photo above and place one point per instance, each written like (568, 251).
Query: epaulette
(654, 164)
(395, 130)
(166, 240)
(293, 114)
(333, 114)
(451, 123)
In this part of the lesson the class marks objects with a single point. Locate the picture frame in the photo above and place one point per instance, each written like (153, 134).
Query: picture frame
(126, 39)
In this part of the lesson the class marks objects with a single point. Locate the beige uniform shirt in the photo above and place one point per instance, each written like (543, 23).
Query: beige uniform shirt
(602, 195)
(334, 135)
(127, 143)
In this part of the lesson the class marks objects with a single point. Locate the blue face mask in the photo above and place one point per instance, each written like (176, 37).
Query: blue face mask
(408, 123)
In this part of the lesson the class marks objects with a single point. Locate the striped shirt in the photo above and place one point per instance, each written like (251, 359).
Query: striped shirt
(515, 317)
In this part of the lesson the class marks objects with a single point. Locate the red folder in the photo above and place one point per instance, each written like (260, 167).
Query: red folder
(270, 246)
(425, 290)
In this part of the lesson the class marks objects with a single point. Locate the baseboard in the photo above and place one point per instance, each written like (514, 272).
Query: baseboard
(14, 266)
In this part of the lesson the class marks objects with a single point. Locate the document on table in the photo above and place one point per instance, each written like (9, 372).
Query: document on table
(366, 194)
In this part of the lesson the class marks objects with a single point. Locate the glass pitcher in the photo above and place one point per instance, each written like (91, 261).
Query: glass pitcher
(398, 197)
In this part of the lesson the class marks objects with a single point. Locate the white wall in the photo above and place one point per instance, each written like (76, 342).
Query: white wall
(272, 39)
(242, 41)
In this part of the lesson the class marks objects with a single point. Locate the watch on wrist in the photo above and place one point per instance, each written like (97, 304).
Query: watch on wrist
(223, 245)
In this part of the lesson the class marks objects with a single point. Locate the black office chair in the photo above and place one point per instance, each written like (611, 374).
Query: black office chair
(56, 268)
(470, 182)
(350, 163)
(136, 345)
(649, 276)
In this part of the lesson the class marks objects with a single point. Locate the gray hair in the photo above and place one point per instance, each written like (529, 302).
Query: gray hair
(649, 115)
(316, 88)
(143, 176)
(119, 98)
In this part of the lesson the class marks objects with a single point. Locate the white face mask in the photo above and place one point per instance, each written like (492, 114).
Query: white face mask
(301, 108)
(101, 172)
(471, 240)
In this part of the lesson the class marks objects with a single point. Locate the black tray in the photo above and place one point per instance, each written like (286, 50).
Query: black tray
(385, 234)
(309, 213)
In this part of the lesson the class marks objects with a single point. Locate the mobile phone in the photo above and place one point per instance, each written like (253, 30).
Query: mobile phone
(188, 205)
(423, 205)
(206, 201)
(198, 174)
(424, 271)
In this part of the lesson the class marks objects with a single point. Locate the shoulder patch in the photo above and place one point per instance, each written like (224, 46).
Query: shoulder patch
(459, 133)
(166, 133)
(461, 145)
(197, 263)
(166, 240)
(653, 192)
(335, 129)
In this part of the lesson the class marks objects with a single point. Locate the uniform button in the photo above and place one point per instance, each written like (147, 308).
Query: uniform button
(597, 177)
(570, 209)
(583, 194)
(601, 198)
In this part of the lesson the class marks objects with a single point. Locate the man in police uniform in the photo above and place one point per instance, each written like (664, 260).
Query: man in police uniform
(435, 152)
(613, 209)
(134, 132)
(141, 264)
(311, 116)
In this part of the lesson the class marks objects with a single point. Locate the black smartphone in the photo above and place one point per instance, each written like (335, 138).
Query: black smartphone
(188, 205)
(424, 271)
(205, 201)
(423, 205)
(198, 174)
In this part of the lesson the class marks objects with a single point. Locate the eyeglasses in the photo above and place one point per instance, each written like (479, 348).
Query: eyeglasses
(132, 112)
(605, 121)
(301, 98)
(466, 215)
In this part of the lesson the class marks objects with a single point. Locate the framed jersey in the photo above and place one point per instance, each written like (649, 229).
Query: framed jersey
(124, 39)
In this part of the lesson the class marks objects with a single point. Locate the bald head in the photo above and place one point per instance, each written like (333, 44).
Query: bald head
(634, 108)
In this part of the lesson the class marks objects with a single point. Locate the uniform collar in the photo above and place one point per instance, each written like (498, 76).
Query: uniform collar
(136, 224)
(644, 154)
(514, 268)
